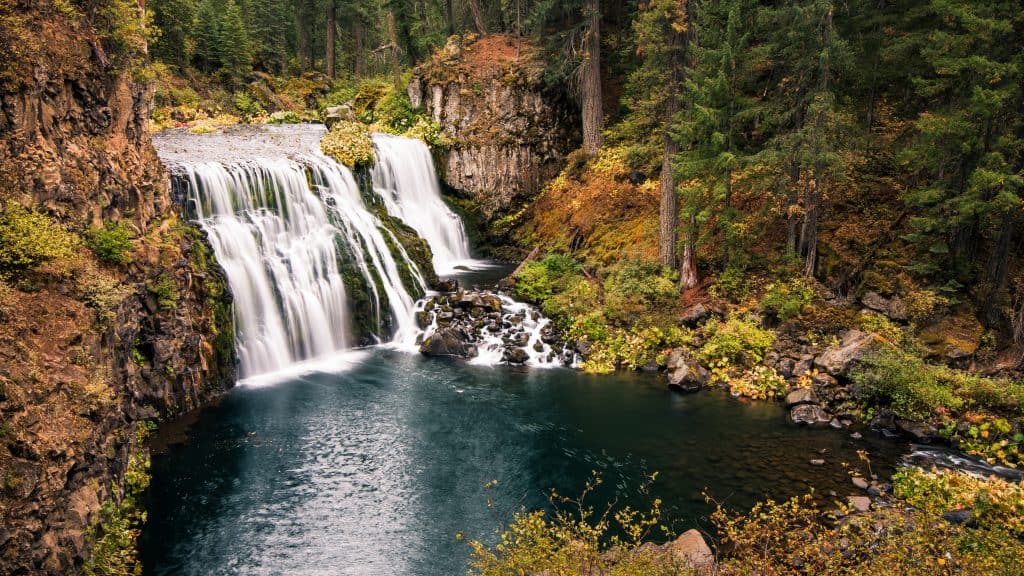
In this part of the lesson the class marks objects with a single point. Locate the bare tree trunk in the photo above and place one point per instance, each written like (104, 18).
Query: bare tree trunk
(791, 202)
(668, 212)
(998, 271)
(590, 85)
(357, 57)
(302, 34)
(815, 198)
(809, 234)
(688, 277)
(331, 25)
(396, 66)
(478, 17)
(449, 11)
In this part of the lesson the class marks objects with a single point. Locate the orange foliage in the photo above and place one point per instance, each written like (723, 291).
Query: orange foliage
(601, 217)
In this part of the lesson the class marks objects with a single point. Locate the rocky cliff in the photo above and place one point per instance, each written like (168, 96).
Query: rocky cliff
(88, 345)
(511, 132)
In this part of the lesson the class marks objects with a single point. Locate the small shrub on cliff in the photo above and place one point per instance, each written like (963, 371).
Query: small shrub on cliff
(29, 239)
(112, 243)
(164, 290)
(284, 117)
(633, 289)
(349, 143)
(731, 284)
(996, 503)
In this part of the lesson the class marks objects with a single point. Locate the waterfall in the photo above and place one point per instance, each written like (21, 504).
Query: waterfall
(283, 229)
(404, 178)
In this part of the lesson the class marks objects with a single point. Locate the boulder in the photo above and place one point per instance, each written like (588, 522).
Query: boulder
(954, 338)
(515, 355)
(920, 431)
(860, 483)
(860, 503)
(335, 114)
(810, 415)
(895, 308)
(448, 341)
(692, 551)
(800, 396)
(694, 314)
(963, 516)
(839, 360)
(685, 374)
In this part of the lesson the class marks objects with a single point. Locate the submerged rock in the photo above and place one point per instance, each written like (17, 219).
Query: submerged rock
(810, 415)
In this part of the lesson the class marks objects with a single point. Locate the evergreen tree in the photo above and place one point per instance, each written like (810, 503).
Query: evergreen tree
(233, 42)
(176, 20)
(207, 35)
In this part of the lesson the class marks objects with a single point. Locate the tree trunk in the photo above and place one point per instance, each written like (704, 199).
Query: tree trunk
(396, 66)
(331, 25)
(998, 271)
(302, 34)
(809, 234)
(449, 12)
(590, 85)
(669, 210)
(688, 271)
(357, 56)
(478, 17)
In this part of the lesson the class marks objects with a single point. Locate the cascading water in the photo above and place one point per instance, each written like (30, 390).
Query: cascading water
(281, 226)
(405, 179)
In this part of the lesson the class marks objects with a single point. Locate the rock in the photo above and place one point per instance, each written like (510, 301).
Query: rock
(448, 341)
(803, 365)
(515, 355)
(786, 366)
(920, 431)
(817, 462)
(954, 338)
(691, 550)
(963, 516)
(860, 503)
(335, 114)
(860, 483)
(686, 374)
(447, 286)
(884, 419)
(582, 347)
(856, 435)
(895, 308)
(839, 360)
(800, 396)
(810, 415)
(694, 314)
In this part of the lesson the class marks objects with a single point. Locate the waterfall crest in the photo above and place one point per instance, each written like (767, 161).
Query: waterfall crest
(405, 179)
(304, 257)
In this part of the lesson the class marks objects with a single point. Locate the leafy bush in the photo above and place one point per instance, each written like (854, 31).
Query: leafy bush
(284, 117)
(395, 112)
(904, 383)
(785, 300)
(759, 383)
(247, 106)
(112, 243)
(578, 297)
(29, 239)
(731, 284)
(633, 289)
(539, 280)
(349, 143)
(633, 348)
(731, 339)
(102, 293)
(996, 503)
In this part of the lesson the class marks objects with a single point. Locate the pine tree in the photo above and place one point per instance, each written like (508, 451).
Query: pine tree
(233, 41)
(207, 34)
(176, 20)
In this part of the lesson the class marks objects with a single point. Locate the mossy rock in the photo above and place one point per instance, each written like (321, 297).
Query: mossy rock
(954, 337)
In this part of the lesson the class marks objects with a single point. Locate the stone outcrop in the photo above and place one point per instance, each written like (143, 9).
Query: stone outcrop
(685, 374)
(86, 353)
(511, 132)
(839, 360)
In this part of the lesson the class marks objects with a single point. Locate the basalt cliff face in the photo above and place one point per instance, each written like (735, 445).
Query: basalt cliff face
(511, 133)
(90, 347)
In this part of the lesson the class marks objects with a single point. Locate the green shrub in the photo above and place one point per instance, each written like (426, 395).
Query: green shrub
(247, 106)
(731, 284)
(165, 290)
(996, 503)
(905, 383)
(633, 289)
(395, 112)
(112, 243)
(349, 143)
(579, 296)
(733, 338)
(284, 117)
(786, 300)
(539, 280)
(29, 239)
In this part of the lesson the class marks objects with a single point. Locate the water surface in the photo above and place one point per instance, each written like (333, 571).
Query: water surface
(374, 471)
